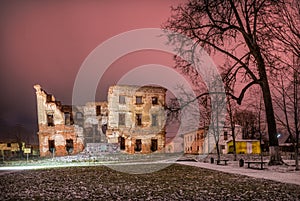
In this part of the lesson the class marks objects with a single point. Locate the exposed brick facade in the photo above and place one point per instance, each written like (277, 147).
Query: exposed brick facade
(67, 129)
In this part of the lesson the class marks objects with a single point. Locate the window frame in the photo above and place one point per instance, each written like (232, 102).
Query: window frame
(154, 117)
(122, 99)
(154, 100)
(139, 117)
(138, 100)
(122, 116)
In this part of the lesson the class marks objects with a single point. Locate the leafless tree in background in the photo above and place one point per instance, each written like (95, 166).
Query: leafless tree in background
(285, 28)
(287, 104)
(240, 31)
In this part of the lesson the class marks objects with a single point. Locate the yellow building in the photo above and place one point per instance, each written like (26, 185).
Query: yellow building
(194, 142)
(245, 146)
(10, 148)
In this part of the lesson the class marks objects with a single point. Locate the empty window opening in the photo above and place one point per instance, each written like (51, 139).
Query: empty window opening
(8, 144)
(122, 99)
(49, 98)
(225, 135)
(79, 116)
(153, 144)
(121, 119)
(50, 120)
(67, 118)
(69, 146)
(95, 129)
(138, 145)
(104, 128)
(154, 100)
(154, 120)
(88, 132)
(139, 119)
(51, 145)
(122, 143)
(139, 100)
(98, 110)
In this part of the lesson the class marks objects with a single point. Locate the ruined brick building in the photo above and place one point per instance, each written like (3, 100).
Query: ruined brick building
(136, 118)
(132, 120)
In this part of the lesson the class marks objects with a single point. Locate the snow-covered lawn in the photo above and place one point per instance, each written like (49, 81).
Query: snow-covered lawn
(175, 182)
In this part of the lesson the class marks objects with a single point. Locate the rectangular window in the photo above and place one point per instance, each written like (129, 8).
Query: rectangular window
(154, 100)
(139, 100)
(79, 116)
(154, 120)
(67, 118)
(122, 99)
(51, 145)
(69, 146)
(98, 110)
(138, 145)
(122, 143)
(49, 98)
(153, 144)
(50, 120)
(121, 119)
(8, 144)
(225, 135)
(139, 119)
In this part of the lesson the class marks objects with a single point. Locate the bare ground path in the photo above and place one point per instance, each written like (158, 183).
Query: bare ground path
(271, 173)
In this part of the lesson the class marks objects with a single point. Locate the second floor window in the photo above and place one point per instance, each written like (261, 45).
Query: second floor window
(122, 99)
(139, 119)
(50, 120)
(79, 116)
(121, 119)
(138, 100)
(67, 118)
(98, 110)
(154, 120)
(154, 100)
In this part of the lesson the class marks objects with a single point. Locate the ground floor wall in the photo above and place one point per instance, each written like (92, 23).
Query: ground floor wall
(134, 143)
(59, 142)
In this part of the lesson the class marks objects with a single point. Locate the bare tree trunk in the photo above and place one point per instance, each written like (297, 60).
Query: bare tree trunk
(233, 141)
(232, 125)
(275, 157)
(296, 119)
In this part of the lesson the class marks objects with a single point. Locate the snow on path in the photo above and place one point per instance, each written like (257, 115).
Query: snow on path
(284, 177)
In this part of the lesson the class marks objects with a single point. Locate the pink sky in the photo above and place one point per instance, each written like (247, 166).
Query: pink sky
(46, 42)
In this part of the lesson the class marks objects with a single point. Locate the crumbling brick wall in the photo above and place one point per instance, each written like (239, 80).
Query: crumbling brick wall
(136, 118)
(57, 133)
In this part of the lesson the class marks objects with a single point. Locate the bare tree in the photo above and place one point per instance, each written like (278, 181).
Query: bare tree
(248, 120)
(237, 30)
(20, 135)
(231, 112)
(286, 90)
(285, 28)
(207, 112)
